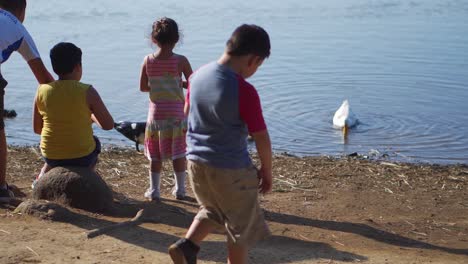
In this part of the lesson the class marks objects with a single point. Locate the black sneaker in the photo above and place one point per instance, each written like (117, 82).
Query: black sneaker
(184, 251)
(6, 195)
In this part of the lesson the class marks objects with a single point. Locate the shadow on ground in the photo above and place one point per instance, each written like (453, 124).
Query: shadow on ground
(277, 249)
(360, 229)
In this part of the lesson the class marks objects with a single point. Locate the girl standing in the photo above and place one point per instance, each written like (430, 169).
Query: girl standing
(161, 76)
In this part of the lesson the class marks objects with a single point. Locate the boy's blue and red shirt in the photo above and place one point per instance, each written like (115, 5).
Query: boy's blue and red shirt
(15, 37)
(224, 108)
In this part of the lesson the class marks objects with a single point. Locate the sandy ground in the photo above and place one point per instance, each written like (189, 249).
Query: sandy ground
(322, 210)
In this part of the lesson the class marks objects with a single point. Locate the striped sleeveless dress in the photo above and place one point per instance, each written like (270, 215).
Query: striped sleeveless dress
(166, 123)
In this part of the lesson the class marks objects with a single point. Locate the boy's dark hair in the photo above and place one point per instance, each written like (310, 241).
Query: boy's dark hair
(165, 31)
(249, 39)
(13, 5)
(64, 57)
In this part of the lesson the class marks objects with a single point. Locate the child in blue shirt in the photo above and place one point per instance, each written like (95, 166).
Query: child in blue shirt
(15, 37)
(223, 108)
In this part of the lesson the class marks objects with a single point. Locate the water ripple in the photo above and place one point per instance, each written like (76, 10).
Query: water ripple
(401, 64)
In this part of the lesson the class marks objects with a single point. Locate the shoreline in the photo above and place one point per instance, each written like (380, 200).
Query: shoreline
(370, 156)
(321, 210)
(25, 162)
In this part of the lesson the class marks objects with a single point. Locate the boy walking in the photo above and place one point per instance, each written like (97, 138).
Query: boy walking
(223, 109)
(15, 37)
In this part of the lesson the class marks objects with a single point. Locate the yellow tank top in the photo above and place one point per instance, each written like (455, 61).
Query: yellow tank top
(67, 129)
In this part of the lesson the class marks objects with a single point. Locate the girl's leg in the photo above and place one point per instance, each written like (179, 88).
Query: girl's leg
(179, 166)
(156, 166)
(153, 192)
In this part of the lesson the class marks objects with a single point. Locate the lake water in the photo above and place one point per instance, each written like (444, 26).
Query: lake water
(403, 65)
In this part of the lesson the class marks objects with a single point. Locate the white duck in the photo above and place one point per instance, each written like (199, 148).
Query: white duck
(344, 118)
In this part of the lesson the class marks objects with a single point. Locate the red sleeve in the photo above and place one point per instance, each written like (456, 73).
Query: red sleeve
(250, 109)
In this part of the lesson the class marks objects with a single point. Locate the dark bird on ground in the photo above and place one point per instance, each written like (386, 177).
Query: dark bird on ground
(135, 131)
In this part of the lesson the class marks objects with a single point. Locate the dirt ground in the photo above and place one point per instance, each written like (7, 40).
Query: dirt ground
(322, 210)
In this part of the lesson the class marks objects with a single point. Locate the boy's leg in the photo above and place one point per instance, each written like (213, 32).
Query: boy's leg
(43, 171)
(95, 153)
(89, 161)
(3, 157)
(185, 250)
(198, 230)
(237, 254)
(3, 144)
(5, 193)
(199, 181)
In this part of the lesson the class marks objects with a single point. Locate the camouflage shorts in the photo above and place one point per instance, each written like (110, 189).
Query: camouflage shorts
(228, 198)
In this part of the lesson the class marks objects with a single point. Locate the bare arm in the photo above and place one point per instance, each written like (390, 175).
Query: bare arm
(144, 79)
(186, 70)
(38, 123)
(186, 107)
(40, 71)
(263, 144)
(187, 101)
(100, 114)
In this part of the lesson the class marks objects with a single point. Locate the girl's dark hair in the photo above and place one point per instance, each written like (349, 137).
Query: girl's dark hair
(64, 57)
(165, 31)
(13, 5)
(249, 39)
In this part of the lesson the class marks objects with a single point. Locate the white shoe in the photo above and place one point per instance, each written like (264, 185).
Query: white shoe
(152, 195)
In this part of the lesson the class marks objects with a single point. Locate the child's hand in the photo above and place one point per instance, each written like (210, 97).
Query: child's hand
(265, 180)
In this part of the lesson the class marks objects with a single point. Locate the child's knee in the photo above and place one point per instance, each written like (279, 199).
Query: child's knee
(155, 165)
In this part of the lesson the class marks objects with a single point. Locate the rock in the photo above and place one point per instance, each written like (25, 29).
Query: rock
(9, 113)
(45, 210)
(78, 187)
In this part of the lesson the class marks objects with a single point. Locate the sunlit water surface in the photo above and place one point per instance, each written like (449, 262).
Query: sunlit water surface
(403, 65)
